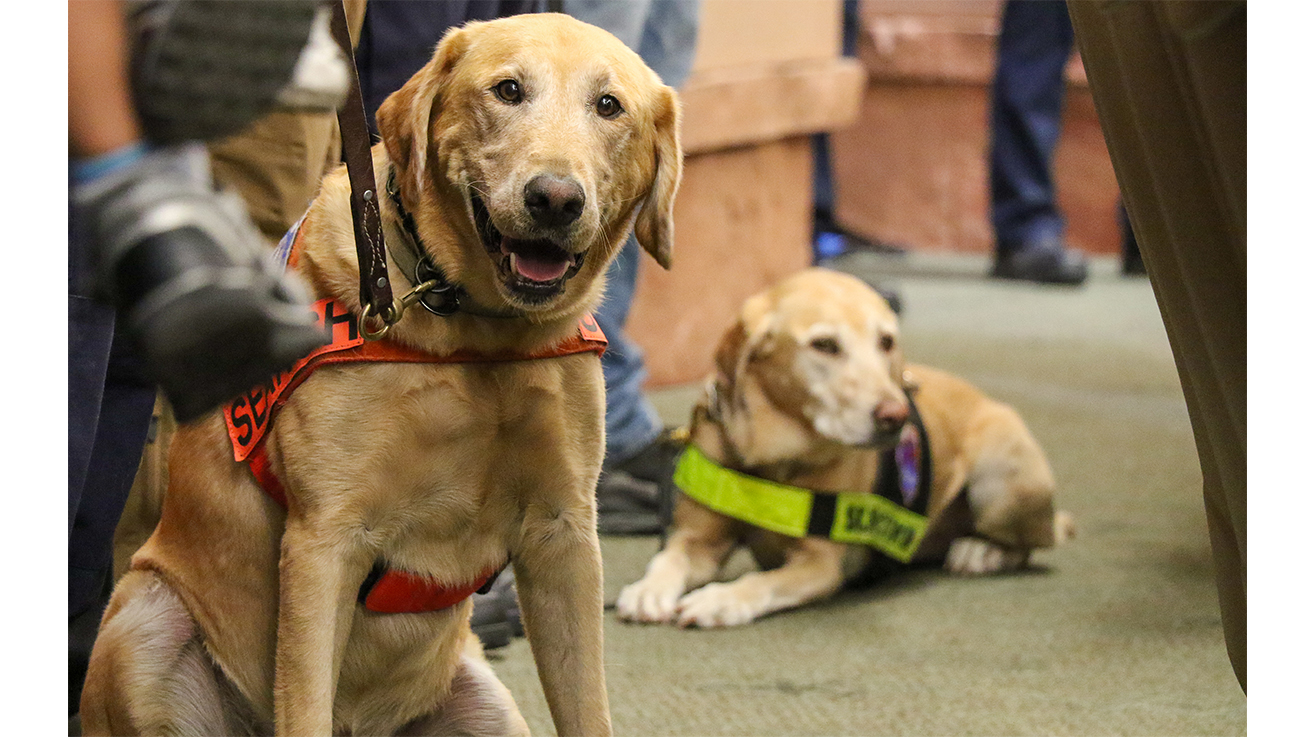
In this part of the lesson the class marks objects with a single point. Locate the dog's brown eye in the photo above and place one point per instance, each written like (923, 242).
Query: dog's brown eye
(509, 91)
(608, 107)
(825, 345)
(886, 343)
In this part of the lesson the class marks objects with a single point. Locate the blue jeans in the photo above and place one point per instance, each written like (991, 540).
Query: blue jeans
(663, 33)
(1027, 94)
(630, 418)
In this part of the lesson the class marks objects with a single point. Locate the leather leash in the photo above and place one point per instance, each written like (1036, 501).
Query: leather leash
(376, 293)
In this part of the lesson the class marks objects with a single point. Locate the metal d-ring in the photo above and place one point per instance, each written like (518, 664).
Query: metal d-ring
(395, 311)
(440, 298)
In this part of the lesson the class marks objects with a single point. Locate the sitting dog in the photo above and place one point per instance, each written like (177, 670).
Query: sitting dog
(311, 573)
(819, 450)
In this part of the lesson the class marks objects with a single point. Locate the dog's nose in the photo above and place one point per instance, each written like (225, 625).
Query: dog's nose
(554, 201)
(890, 415)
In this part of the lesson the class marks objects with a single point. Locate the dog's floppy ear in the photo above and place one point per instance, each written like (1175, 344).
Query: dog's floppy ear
(404, 118)
(654, 223)
(741, 342)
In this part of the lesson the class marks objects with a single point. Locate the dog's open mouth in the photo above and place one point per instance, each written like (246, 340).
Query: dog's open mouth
(535, 270)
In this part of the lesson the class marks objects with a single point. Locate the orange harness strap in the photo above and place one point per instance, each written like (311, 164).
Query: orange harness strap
(249, 417)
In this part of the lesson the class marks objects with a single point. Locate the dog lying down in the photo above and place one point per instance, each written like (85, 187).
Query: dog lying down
(326, 589)
(910, 464)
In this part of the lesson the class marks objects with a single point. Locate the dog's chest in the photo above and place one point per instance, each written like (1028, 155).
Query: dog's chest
(440, 457)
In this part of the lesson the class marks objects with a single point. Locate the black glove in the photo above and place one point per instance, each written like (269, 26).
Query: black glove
(203, 69)
(191, 279)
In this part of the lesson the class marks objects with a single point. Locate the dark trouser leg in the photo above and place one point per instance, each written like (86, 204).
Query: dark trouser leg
(1027, 95)
(115, 449)
(91, 330)
(1169, 81)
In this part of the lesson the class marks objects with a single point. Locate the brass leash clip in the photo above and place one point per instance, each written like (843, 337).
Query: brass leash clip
(395, 311)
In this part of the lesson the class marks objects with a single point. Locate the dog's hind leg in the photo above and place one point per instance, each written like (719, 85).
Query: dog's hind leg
(1010, 492)
(150, 673)
(479, 705)
(976, 556)
(1010, 518)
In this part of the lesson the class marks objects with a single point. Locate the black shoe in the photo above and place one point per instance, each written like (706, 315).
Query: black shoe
(634, 496)
(1132, 265)
(892, 298)
(504, 588)
(656, 461)
(1043, 262)
(497, 616)
(844, 240)
(629, 505)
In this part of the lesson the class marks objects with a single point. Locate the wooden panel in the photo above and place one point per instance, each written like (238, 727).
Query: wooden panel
(745, 105)
(946, 41)
(746, 32)
(743, 219)
(914, 170)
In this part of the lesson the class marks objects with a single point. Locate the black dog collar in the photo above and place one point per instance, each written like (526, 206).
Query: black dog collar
(444, 298)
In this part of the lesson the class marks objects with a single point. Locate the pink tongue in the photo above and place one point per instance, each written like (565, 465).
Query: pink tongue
(537, 270)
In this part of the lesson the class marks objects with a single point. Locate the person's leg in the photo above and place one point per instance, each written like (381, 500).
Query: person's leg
(624, 19)
(639, 456)
(398, 38)
(1033, 47)
(632, 423)
(663, 33)
(1130, 257)
(91, 331)
(667, 43)
(121, 426)
(824, 199)
(1169, 82)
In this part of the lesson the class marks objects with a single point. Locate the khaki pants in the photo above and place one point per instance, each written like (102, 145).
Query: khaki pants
(1170, 84)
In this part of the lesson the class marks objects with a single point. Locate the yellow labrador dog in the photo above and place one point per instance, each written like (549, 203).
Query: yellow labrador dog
(518, 159)
(810, 381)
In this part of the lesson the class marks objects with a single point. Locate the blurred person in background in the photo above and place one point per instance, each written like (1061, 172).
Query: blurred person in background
(170, 284)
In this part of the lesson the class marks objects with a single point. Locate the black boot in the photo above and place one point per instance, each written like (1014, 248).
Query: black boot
(1046, 261)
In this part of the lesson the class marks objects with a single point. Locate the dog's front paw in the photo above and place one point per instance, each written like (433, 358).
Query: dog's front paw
(720, 605)
(645, 601)
(973, 556)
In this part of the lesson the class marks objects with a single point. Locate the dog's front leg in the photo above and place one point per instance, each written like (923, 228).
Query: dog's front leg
(812, 571)
(691, 558)
(316, 605)
(559, 580)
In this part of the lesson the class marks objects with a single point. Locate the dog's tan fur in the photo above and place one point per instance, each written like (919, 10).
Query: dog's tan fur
(809, 380)
(240, 618)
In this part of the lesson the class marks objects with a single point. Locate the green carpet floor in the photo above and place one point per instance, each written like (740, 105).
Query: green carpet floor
(1117, 633)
